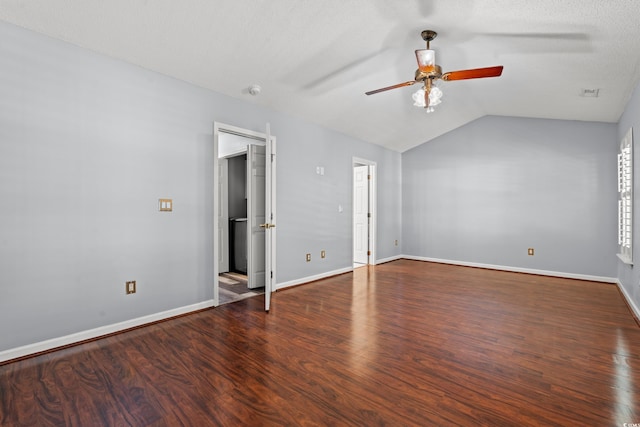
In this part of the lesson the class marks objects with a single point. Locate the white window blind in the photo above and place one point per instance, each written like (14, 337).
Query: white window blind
(625, 199)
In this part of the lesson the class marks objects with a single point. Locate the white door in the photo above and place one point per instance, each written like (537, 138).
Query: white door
(256, 187)
(270, 215)
(223, 215)
(360, 214)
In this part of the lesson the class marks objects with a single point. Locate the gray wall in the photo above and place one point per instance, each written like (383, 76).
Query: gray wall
(628, 276)
(486, 192)
(87, 146)
(312, 222)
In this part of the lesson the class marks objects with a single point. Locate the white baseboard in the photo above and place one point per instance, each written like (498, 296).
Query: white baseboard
(312, 278)
(517, 269)
(15, 353)
(625, 294)
(392, 258)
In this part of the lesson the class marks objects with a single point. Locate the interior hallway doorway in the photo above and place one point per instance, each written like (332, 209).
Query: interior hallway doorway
(364, 212)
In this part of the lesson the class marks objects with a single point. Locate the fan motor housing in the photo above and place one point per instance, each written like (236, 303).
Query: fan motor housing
(435, 74)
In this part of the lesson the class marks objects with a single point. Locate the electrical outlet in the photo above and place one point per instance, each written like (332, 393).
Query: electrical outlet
(530, 251)
(131, 287)
(396, 243)
(323, 254)
(308, 257)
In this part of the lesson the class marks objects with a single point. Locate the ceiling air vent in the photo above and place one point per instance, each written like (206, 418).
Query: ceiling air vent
(590, 93)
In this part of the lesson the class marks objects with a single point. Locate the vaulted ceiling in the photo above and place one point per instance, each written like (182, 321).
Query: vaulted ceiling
(316, 59)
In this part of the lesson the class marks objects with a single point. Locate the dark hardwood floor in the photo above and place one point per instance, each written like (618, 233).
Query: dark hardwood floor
(403, 343)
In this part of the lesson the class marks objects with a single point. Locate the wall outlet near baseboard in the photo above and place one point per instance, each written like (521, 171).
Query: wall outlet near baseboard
(308, 257)
(530, 251)
(131, 287)
(323, 254)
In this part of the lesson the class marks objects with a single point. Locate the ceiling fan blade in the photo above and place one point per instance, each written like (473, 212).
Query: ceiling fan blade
(476, 73)
(409, 83)
(543, 36)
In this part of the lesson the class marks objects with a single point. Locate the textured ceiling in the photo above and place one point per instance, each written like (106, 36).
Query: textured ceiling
(315, 59)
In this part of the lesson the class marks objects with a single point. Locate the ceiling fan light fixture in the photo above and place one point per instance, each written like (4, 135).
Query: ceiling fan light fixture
(426, 60)
(418, 98)
(435, 98)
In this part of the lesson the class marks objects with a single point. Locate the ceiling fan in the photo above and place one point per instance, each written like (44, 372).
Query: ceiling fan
(428, 71)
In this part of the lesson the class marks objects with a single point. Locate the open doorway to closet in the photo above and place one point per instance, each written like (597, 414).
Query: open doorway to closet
(235, 198)
(364, 212)
(244, 186)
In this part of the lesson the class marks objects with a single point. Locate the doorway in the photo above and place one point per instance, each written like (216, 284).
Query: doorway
(243, 194)
(364, 212)
(233, 257)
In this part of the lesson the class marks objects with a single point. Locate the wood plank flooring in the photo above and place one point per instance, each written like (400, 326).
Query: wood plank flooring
(403, 343)
(232, 287)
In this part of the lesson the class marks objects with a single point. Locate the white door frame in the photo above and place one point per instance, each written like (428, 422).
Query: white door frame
(225, 128)
(372, 205)
(270, 218)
